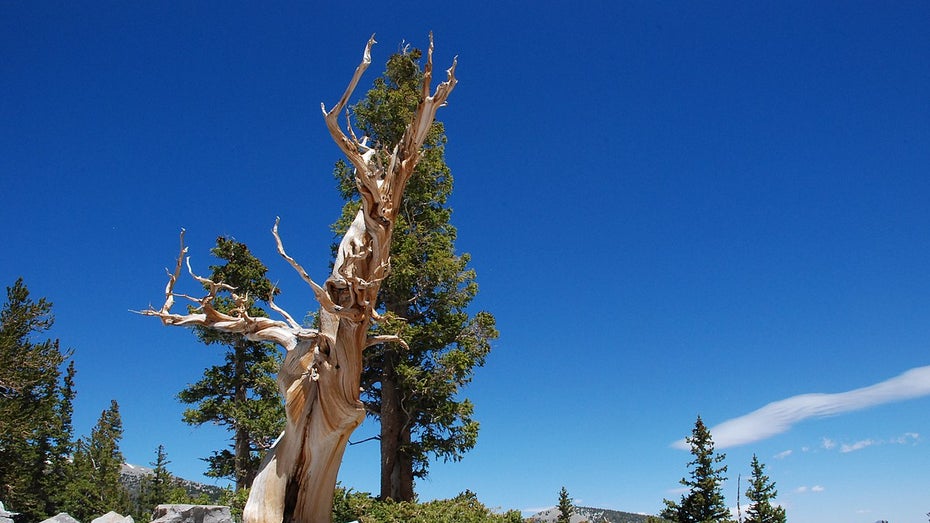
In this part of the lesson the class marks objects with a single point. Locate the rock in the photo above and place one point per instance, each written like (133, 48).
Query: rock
(5, 515)
(62, 517)
(113, 517)
(191, 514)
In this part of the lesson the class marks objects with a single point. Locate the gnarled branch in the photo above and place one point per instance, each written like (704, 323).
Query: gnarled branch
(387, 338)
(286, 334)
(349, 147)
(323, 297)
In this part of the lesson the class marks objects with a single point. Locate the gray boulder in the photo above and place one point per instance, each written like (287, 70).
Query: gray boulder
(191, 514)
(61, 517)
(5, 515)
(113, 517)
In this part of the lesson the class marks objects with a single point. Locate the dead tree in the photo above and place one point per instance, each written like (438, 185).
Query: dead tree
(319, 377)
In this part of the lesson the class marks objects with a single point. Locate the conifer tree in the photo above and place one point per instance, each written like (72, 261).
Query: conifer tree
(58, 472)
(242, 393)
(155, 488)
(33, 436)
(760, 493)
(95, 487)
(414, 391)
(565, 507)
(704, 502)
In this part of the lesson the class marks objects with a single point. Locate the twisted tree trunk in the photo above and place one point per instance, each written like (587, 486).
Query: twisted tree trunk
(320, 375)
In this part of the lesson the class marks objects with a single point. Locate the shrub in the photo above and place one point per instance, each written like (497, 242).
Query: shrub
(349, 505)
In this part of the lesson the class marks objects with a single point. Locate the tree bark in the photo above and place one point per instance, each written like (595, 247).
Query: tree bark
(321, 372)
(241, 445)
(392, 425)
(396, 463)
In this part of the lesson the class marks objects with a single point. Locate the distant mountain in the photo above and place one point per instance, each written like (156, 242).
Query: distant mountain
(591, 515)
(131, 478)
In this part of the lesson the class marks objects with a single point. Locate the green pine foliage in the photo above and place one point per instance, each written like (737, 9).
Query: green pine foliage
(760, 493)
(704, 502)
(59, 464)
(95, 487)
(565, 507)
(35, 406)
(416, 393)
(464, 508)
(240, 394)
(158, 488)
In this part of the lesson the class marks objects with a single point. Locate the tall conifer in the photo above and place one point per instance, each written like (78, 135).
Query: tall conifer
(240, 394)
(704, 502)
(565, 507)
(760, 493)
(156, 488)
(33, 436)
(95, 487)
(415, 392)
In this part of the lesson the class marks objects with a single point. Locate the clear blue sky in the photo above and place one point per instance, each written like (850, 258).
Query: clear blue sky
(673, 209)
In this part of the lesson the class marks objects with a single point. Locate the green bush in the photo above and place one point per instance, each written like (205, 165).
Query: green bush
(464, 508)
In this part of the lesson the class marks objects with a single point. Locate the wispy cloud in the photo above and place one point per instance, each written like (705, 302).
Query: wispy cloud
(780, 416)
(859, 445)
(804, 489)
(784, 454)
(905, 439)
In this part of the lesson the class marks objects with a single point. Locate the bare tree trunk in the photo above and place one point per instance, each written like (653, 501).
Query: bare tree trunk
(321, 372)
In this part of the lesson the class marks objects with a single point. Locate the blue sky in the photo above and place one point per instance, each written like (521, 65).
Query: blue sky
(715, 208)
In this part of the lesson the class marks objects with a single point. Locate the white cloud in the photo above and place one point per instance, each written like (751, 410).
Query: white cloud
(779, 416)
(906, 438)
(859, 445)
(828, 443)
(784, 454)
(805, 488)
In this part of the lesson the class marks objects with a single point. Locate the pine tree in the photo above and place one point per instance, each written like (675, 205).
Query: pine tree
(704, 502)
(760, 493)
(95, 487)
(31, 431)
(565, 507)
(59, 462)
(415, 392)
(157, 487)
(242, 393)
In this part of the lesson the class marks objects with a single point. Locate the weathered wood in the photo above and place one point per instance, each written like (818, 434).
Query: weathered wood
(321, 372)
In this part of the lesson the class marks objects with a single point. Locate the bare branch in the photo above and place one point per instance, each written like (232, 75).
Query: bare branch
(386, 338)
(290, 320)
(322, 296)
(213, 286)
(373, 438)
(260, 328)
(349, 147)
(173, 277)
